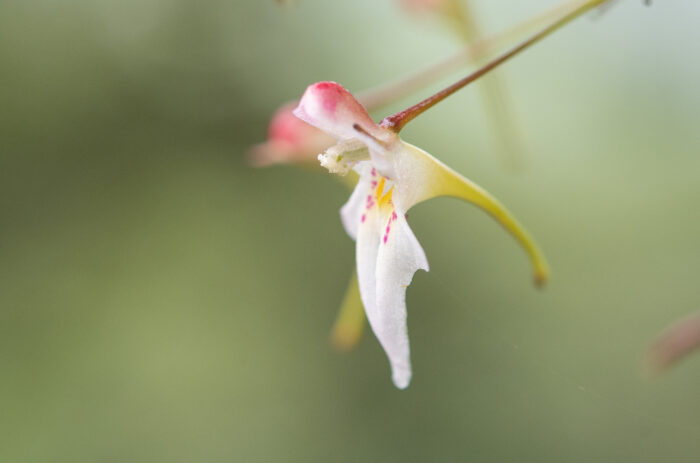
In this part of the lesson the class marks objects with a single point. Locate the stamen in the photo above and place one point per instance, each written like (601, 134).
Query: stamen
(340, 158)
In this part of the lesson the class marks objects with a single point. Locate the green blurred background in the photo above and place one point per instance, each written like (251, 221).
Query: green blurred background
(161, 301)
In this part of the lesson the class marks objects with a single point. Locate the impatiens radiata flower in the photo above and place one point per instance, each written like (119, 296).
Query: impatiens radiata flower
(394, 176)
(292, 141)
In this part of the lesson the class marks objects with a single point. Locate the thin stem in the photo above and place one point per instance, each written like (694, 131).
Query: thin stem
(397, 121)
(393, 91)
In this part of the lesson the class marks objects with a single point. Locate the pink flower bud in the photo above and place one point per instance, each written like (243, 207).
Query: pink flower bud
(676, 342)
(289, 140)
(333, 109)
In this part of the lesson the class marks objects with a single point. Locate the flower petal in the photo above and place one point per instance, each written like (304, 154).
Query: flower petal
(399, 257)
(351, 213)
(366, 250)
(419, 177)
(388, 254)
(331, 108)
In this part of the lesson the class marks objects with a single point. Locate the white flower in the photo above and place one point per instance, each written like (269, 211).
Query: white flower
(394, 176)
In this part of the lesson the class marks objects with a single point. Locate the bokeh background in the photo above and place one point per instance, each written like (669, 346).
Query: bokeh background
(161, 301)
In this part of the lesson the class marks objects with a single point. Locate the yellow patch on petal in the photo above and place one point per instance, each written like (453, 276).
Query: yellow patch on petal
(383, 199)
(380, 188)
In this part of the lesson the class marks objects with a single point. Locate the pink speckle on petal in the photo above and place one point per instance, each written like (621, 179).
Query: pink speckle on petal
(393, 215)
(364, 216)
(374, 172)
(387, 230)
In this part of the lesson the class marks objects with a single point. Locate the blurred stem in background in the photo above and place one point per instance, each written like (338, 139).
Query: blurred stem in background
(396, 122)
(474, 52)
(511, 142)
(511, 147)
